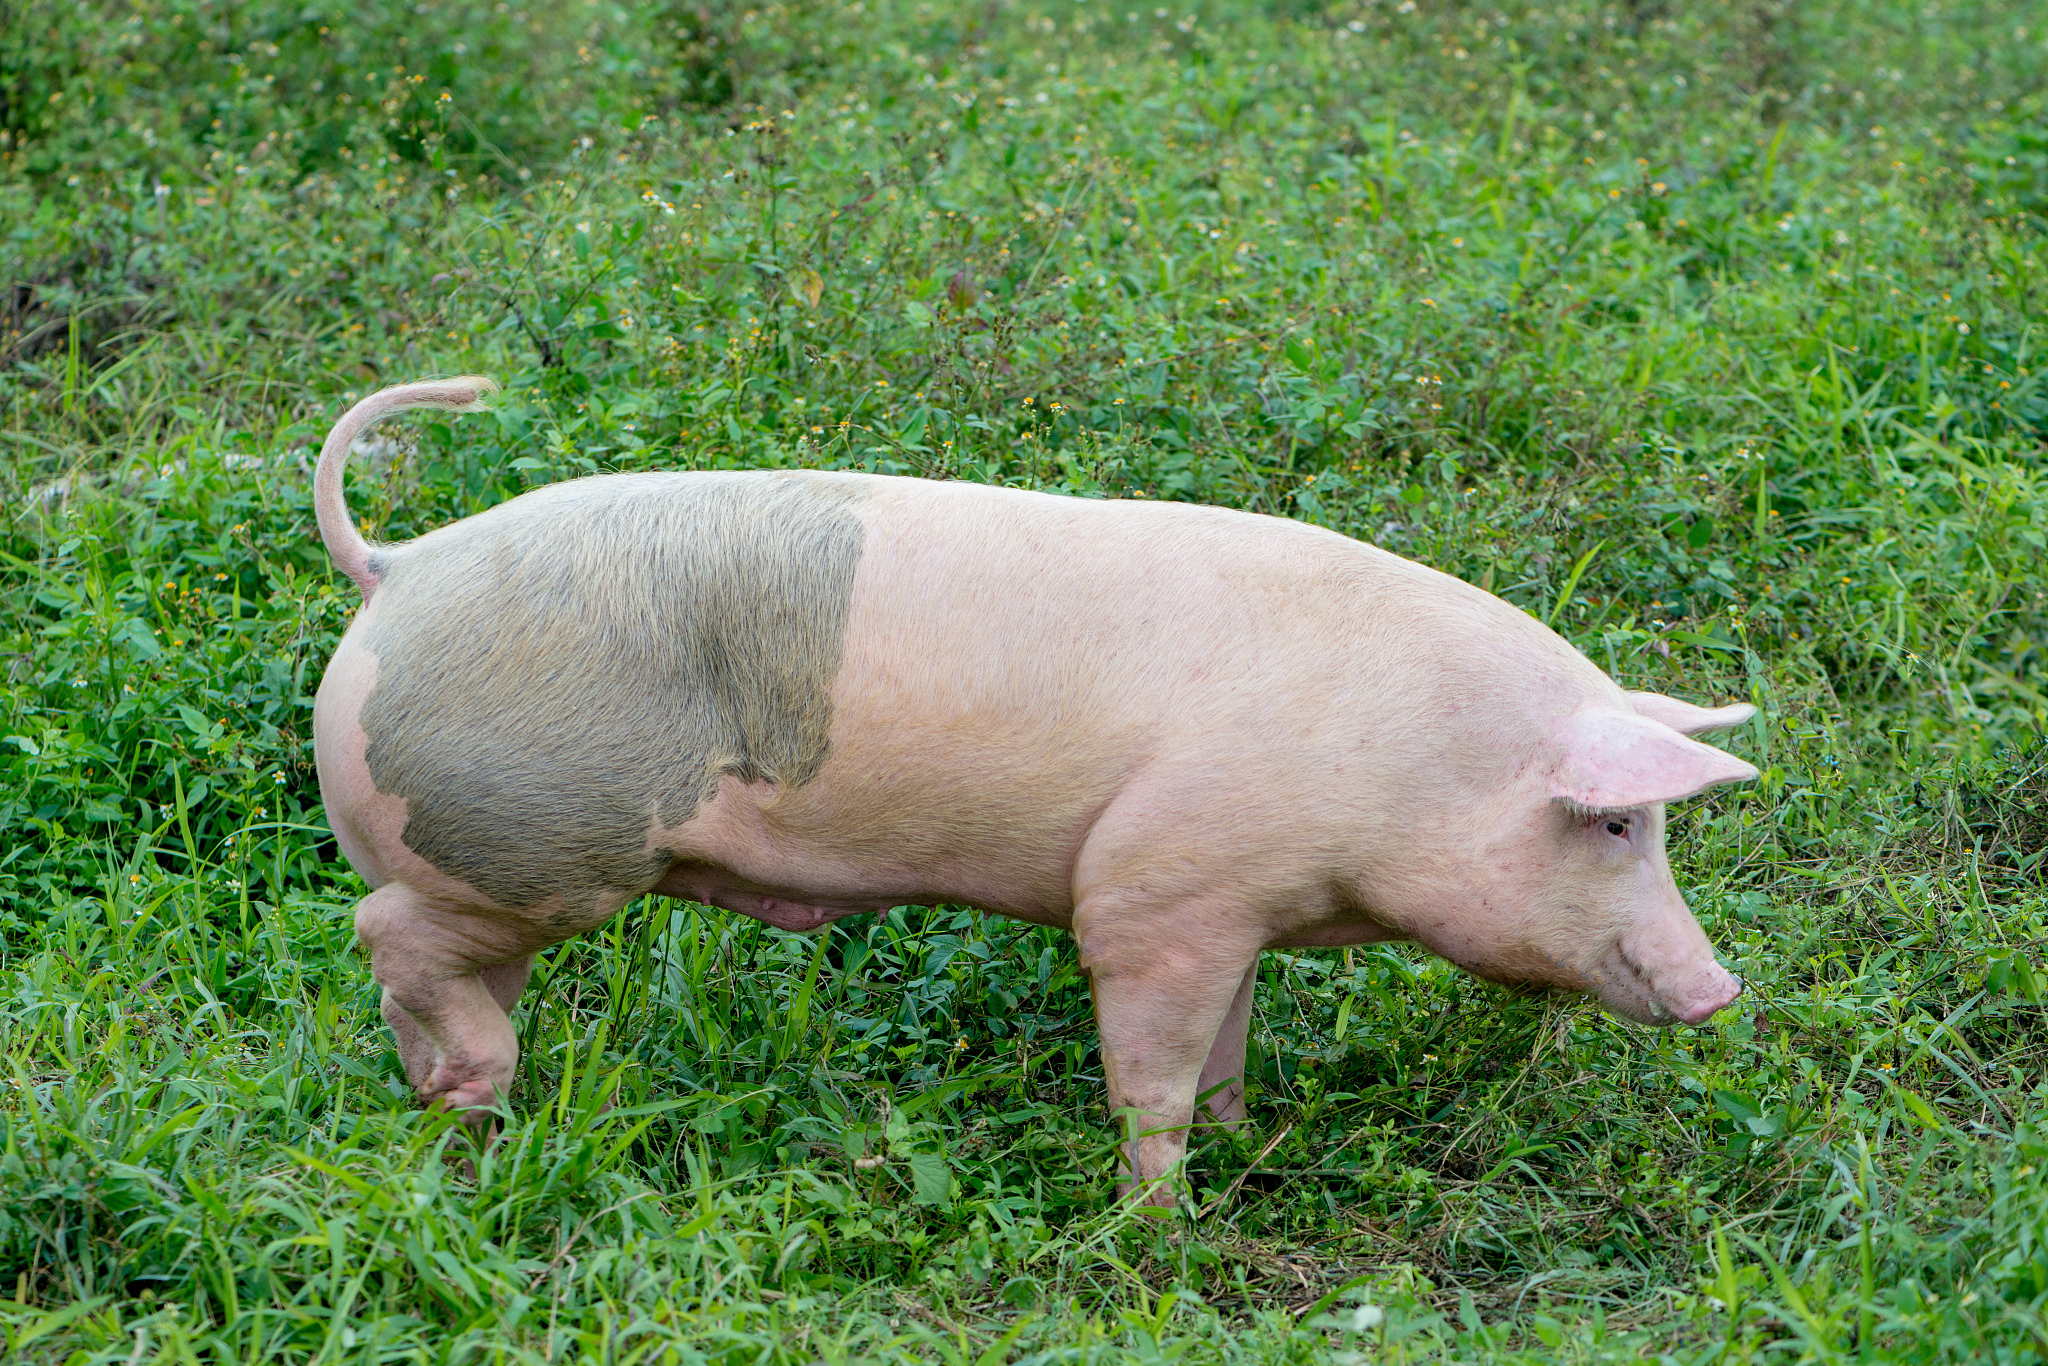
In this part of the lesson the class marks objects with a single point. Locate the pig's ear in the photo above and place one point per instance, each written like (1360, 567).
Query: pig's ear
(1687, 719)
(1609, 760)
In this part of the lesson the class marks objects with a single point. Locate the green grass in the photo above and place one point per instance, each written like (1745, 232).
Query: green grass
(1711, 334)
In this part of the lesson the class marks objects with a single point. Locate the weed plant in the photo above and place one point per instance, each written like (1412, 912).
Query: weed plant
(1709, 334)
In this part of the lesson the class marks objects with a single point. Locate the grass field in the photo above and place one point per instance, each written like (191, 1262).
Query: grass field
(1711, 334)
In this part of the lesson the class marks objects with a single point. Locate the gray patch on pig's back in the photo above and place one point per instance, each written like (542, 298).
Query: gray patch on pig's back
(561, 671)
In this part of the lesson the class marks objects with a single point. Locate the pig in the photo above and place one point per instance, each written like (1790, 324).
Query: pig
(1184, 734)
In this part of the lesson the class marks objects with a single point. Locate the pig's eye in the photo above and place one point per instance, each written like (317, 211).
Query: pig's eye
(1617, 827)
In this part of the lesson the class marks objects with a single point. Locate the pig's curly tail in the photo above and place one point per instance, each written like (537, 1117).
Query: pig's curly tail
(345, 544)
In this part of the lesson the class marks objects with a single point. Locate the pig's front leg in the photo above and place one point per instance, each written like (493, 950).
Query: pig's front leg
(444, 997)
(1223, 1073)
(1163, 1000)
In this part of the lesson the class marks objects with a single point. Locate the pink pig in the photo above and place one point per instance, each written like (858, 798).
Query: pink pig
(1183, 733)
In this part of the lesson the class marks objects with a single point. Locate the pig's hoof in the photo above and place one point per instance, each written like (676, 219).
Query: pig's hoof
(473, 1104)
(1153, 1198)
(471, 1097)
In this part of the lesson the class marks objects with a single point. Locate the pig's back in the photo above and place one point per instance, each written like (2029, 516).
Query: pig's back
(1134, 613)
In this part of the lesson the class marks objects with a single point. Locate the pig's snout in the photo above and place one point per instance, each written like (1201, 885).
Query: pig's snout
(1708, 992)
(1665, 973)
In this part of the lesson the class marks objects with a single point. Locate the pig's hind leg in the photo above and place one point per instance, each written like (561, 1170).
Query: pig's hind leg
(416, 1050)
(449, 979)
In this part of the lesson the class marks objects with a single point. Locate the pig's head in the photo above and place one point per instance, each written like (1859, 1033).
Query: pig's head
(1571, 879)
(1613, 772)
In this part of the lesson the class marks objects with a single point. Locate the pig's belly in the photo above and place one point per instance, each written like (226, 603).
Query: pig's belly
(786, 908)
(1337, 935)
(803, 909)
(802, 894)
